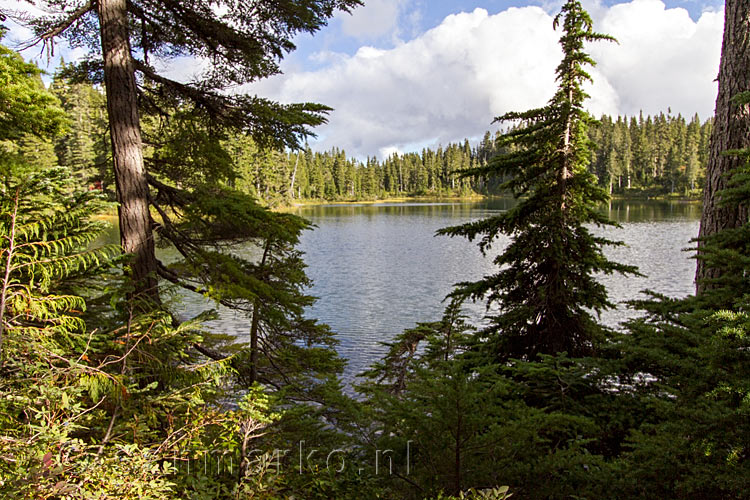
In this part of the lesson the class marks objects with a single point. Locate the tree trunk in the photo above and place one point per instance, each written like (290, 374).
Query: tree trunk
(294, 175)
(254, 342)
(136, 236)
(255, 323)
(731, 130)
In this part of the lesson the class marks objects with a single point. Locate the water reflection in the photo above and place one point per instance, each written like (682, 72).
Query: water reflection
(378, 268)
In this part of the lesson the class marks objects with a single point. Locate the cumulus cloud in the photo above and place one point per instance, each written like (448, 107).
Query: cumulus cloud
(663, 59)
(451, 81)
(375, 19)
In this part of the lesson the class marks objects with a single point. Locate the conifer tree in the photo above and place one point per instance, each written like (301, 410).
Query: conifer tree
(688, 361)
(244, 42)
(546, 287)
(27, 106)
(84, 148)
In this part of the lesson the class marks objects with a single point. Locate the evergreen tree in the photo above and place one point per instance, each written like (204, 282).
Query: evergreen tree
(27, 106)
(434, 414)
(244, 44)
(693, 167)
(689, 362)
(84, 148)
(546, 288)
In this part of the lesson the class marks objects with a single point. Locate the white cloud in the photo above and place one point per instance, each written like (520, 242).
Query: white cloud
(375, 19)
(451, 81)
(663, 59)
(389, 151)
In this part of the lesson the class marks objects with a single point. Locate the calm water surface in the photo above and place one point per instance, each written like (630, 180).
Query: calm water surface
(378, 268)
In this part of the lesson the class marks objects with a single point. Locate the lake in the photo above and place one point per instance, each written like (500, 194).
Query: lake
(378, 268)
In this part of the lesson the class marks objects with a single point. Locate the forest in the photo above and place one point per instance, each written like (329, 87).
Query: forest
(109, 389)
(636, 156)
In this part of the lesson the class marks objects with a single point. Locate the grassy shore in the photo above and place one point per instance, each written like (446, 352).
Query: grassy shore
(394, 199)
(658, 194)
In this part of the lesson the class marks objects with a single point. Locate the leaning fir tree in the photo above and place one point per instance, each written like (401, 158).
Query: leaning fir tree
(546, 288)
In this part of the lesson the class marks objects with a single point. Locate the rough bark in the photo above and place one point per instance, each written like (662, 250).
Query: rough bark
(731, 130)
(136, 235)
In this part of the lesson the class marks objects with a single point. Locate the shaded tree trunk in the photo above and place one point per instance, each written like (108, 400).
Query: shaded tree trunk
(254, 342)
(731, 130)
(254, 348)
(136, 235)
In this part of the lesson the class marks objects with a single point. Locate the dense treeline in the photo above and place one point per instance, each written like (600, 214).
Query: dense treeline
(660, 154)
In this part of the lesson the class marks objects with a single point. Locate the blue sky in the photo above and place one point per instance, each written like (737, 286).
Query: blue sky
(414, 17)
(405, 74)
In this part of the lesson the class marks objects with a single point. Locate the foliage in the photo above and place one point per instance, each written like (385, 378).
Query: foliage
(435, 415)
(500, 493)
(243, 45)
(691, 369)
(27, 106)
(692, 360)
(84, 148)
(547, 428)
(100, 401)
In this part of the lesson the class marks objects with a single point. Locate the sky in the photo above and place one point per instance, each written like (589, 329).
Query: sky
(402, 75)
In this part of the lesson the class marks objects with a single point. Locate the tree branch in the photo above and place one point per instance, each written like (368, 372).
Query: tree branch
(58, 28)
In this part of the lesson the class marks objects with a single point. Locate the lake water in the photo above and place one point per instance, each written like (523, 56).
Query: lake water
(378, 268)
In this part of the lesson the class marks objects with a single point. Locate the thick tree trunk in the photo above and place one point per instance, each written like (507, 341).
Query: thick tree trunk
(731, 129)
(136, 236)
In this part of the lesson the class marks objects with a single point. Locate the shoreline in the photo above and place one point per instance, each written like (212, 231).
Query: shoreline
(390, 199)
(475, 197)
(110, 214)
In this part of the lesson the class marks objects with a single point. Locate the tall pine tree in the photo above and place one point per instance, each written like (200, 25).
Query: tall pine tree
(546, 287)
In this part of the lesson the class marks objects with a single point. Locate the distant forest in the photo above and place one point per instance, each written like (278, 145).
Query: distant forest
(664, 154)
